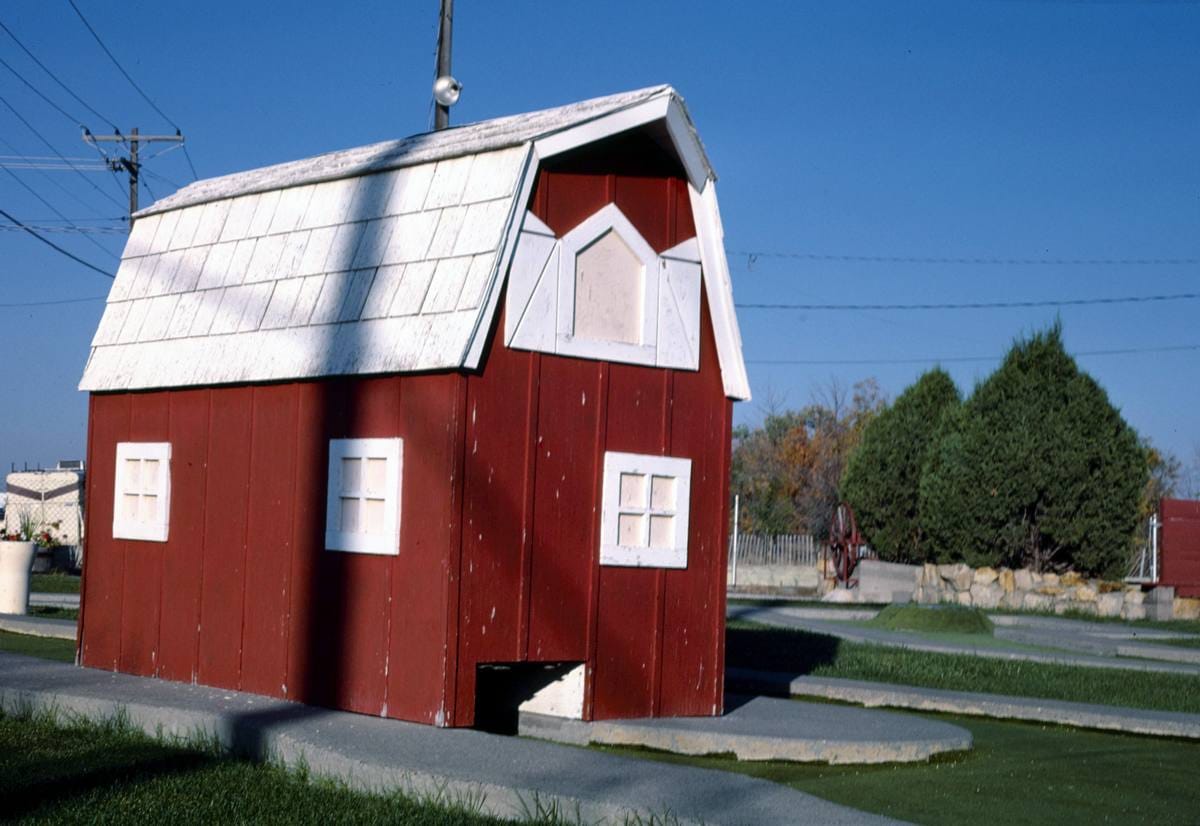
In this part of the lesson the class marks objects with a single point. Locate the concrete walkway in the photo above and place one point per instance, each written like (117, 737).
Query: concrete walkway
(506, 776)
(766, 728)
(1058, 712)
(61, 629)
(54, 600)
(784, 618)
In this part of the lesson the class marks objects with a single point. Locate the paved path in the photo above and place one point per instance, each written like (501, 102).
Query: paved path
(1080, 715)
(54, 600)
(506, 774)
(62, 629)
(767, 728)
(783, 617)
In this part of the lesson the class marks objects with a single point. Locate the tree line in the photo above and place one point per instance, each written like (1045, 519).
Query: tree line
(1035, 467)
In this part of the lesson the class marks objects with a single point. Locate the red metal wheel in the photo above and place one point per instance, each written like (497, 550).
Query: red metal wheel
(844, 543)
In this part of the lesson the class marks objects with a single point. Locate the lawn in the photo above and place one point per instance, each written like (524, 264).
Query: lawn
(107, 773)
(44, 647)
(950, 619)
(1017, 773)
(54, 583)
(750, 645)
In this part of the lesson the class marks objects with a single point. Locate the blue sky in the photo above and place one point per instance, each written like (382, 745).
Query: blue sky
(992, 129)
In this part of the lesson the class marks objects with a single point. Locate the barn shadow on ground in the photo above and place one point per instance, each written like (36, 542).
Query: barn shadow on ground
(780, 650)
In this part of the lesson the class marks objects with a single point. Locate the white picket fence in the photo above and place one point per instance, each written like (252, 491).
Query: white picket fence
(775, 549)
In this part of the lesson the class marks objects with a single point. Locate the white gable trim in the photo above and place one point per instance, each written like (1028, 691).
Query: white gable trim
(718, 286)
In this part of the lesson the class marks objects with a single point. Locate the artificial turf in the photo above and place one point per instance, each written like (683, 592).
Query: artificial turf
(56, 583)
(107, 773)
(750, 645)
(952, 619)
(1017, 773)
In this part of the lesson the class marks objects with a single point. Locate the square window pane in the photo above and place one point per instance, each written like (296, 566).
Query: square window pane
(133, 474)
(129, 507)
(148, 510)
(662, 493)
(351, 475)
(350, 515)
(633, 490)
(630, 530)
(373, 516)
(150, 475)
(662, 531)
(376, 475)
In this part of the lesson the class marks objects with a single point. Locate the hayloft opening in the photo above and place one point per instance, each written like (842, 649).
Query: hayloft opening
(504, 690)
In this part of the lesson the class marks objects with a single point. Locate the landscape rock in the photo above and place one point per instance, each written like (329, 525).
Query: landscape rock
(1050, 579)
(1133, 611)
(963, 598)
(1050, 590)
(841, 595)
(1007, 580)
(1186, 608)
(959, 575)
(1070, 578)
(1134, 597)
(1023, 579)
(1086, 593)
(929, 575)
(1037, 602)
(1110, 604)
(986, 596)
(985, 576)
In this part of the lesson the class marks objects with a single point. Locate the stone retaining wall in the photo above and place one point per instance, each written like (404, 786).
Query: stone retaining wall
(989, 588)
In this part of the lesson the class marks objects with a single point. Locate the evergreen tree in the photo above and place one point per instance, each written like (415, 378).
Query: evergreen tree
(882, 478)
(1036, 468)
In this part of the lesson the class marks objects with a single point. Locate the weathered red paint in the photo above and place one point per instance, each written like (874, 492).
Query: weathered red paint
(498, 556)
(1180, 546)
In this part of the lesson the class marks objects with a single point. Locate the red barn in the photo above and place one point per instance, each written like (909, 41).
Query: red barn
(369, 428)
(1179, 547)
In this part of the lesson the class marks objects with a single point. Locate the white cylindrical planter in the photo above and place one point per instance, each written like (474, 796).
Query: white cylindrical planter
(16, 562)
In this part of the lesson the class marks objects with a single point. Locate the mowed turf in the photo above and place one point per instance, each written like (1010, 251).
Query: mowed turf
(45, 647)
(54, 583)
(949, 619)
(750, 645)
(90, 773)
(1017, 773)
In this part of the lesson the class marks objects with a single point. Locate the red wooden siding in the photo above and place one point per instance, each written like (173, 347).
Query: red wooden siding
(499, 533)
(1180, 546)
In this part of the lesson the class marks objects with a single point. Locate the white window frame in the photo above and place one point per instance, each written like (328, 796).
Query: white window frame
(388, 542)
(157, 530)
(614, 553)
(608, 218)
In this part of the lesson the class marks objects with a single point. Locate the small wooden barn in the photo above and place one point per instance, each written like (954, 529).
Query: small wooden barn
(370, 429)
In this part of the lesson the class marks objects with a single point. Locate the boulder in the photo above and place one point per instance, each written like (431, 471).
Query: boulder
(1133, 612)
(1007, 580)
(1037, 602)
(1109, 605)
(1012, 599)
(959, 575)
(1050, 590)
(986, 596)
(1070, 578)
(985, 576)
(839, 595)
(1185, 608)
(1023, 579)
(1134, 596)
(1086, 593)
(963, 598)
(1050, 579)
(929, 575)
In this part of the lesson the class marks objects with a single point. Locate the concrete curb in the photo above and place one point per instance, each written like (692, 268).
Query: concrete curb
(58, 629)
(1058, 712)
(912, 642)
(49, 600)
(503, 776)
(766, 728)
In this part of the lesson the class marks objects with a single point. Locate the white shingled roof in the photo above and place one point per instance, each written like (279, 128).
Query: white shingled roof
(380, 259)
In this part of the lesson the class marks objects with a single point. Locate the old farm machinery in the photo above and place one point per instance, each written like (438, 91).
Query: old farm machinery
(845, 546)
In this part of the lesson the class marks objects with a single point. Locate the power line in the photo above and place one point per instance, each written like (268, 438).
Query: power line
(56, 247)
(42, 95)
(121, 68)
(50, 146)
(80, 230)
(54, 77)
(979, 305)
(754, 255)
(55, 302)
(960, 359)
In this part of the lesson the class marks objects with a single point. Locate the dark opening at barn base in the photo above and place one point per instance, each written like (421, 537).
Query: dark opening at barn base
(502, 688)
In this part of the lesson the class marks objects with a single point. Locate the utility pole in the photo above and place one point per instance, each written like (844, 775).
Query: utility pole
(131, 164)
(445, 88)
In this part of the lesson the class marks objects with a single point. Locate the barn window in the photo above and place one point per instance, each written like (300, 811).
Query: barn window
(644, 521)
(142, 491)
(363, 509)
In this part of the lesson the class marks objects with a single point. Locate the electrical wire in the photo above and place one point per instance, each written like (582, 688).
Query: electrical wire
(1174, 348)
(754, 255)
(51, 147)
(56, 247)
(55, 78)
(53, 303)
(66, 229)
(76, 121)
(980, 305)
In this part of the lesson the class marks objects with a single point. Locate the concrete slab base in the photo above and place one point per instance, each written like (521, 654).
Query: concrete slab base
(60, 629)
(767, 728)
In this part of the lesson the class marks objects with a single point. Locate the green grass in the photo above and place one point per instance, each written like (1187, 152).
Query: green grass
(53, 612)
(107, 773)
(950, 619)
(44, 647)
(769, 602)
(54, 583)
(1017, 773)
(749, 645)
